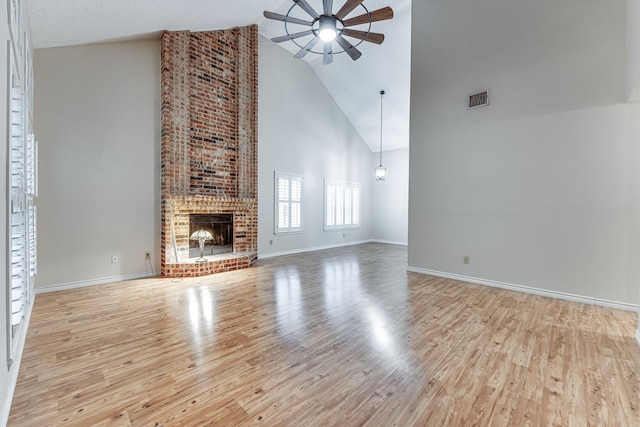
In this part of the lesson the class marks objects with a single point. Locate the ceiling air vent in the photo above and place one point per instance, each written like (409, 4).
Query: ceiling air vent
(480, 99)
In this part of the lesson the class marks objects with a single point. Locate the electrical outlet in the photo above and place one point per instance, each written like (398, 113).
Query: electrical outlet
(465, 259)
(270, 242)
(344, 234)
(115, 259)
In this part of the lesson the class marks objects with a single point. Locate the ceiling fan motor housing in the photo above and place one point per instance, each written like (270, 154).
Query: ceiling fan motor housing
(327, 28)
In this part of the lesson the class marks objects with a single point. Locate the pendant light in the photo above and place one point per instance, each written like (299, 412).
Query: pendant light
(381, 171)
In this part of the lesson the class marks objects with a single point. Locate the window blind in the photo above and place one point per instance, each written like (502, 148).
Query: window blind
(18, 211)
(288, 203)
(341, 205)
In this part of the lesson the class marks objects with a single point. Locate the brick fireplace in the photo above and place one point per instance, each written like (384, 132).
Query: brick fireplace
(209, 143)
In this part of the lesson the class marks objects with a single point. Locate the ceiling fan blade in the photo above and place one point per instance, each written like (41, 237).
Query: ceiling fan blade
(376, 38)
(307, 8)
(376, 15)
(291, 36)
(327, 6)
(347, 7)
(306, 49)
(328, 53)
(348, 47)
(285, 18)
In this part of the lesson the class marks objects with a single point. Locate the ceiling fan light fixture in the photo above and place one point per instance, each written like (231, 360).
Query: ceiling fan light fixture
(329, 27)
(327, 30)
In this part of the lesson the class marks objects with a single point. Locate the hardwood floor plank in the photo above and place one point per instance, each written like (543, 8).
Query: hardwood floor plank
(338, 337)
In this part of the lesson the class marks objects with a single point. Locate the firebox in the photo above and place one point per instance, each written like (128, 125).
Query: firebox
(221, 228)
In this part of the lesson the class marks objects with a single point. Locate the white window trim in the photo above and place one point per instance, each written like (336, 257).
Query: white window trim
(277, 230)
(330, 221)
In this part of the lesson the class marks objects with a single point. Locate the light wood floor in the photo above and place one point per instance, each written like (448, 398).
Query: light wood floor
(339, 337)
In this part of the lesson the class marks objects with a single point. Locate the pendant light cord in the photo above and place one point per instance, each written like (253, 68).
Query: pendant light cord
(381, 97)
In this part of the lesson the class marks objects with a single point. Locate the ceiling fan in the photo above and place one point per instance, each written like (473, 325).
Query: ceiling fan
(329, 27)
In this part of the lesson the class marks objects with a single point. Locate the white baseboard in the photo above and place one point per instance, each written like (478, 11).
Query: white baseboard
(390, 242)
(528, 289)
(311, 249)
(15, 366)
(91, 282)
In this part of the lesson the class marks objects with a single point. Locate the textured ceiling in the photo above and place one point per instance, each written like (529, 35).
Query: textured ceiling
(355, 85)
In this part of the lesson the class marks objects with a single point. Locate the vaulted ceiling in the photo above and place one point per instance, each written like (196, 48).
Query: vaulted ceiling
(355, 85)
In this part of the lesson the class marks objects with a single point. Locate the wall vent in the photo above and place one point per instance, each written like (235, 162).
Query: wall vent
(480, 99)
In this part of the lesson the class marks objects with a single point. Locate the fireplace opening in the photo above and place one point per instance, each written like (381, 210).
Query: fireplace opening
(221, 228)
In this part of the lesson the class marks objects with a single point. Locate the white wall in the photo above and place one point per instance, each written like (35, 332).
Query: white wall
(98, 109)
(536, 187)
(634, 158)
(98, 124)
(633, 51)
(633, 95)
(302, 131)
(390, 198)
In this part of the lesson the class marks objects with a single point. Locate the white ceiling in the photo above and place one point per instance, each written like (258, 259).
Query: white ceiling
(355, 85)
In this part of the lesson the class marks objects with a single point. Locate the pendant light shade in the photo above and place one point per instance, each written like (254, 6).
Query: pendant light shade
(381, 171)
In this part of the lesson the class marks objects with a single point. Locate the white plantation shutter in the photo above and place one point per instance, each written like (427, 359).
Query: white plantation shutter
(330, 205)
(31, 166)
(295, 200)
(288, 203)
(18, 268)
(355, 204)
(17, 142)
(18, 209)
(283, 203)
(341, 205)
(348, 208)
(22, 189)
(31, 244)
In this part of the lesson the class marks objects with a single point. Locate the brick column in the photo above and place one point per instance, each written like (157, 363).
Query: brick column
(209, 142)
(175, 108)
(247, 111)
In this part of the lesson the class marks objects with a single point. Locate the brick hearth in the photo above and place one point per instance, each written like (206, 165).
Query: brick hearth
(209, 143)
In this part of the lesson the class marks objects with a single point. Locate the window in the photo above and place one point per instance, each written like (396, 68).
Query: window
(341, 205)
(21, 232)
(288, 203)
